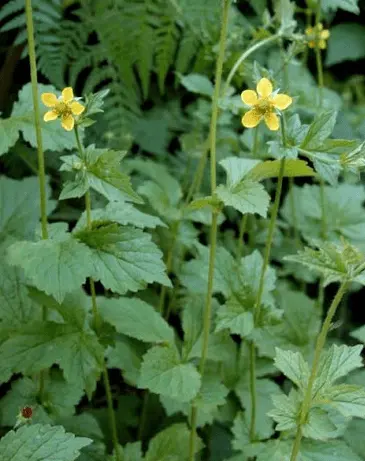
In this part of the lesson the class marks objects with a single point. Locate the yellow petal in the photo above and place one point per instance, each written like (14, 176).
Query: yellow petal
(312, 44)
(67, 94)
(325, 34)
(272, 121)
(77, 108)
(322, 44)
(49, 99)
(320, 26)
(67, 122)
(251, 118)
(264, 88)
(281, 101)
(249, 97)
(50, 115)
(309, 30)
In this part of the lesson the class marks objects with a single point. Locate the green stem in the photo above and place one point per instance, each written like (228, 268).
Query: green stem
(97, 323)
(257, 307)
(37, 118)
(199, 172)
(245, 55)
(294, 213)
(214, 226)
(319, 55)
(321, 340)
(41, 166)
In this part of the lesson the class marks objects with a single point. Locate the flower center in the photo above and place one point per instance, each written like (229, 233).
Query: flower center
(264, 105)
(62, 108)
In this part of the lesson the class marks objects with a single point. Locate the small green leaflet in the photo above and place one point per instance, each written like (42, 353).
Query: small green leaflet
(9, 134)
(197, 83)
(319, 130)
(347, 5)
(162, 372)
(126, 355)
(56, 267)
(123, 258)
(137, 319)
(293, 365)
(38, 443)
(335, 263)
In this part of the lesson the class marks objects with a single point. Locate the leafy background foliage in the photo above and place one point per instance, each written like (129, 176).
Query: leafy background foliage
(152, 63)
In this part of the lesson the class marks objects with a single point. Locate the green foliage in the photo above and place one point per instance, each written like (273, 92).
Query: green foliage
(40, 442)
(345, 43)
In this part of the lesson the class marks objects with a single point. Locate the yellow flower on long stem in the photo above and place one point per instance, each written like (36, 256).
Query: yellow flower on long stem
(64, 106)
(263, 104)
(317, 36)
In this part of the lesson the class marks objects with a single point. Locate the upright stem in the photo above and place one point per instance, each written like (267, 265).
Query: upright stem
(257, 307)
(214, 225)
(38, 132)
(321, 340)
(97, 323)
(37, 118)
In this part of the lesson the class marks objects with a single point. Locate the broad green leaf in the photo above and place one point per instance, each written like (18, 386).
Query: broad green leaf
(345, 43)
(171, 444)
(347, 5)
(334, 262)
(56, 267)
(310, 450)
(136, 318)
(246, 197)
(348, 399)
(235, 318)
(54, 137)
(238, 168)
(39, 345)
(197, 83)
(123, 258)
(162, 372)
(38, 443)
(354, 436)
(344, 212)
(19, 206)
(270, 169)
(241, 438)
(359, 334)
(9, 134)
(319, 130)
(126, 355)
(293, 365)
(122, 213)
(16, 308)
(60, 399)
(319, 425)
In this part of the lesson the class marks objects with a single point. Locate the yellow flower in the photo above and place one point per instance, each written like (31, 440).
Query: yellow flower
(318, 35)
(65, 107)
(263, 105)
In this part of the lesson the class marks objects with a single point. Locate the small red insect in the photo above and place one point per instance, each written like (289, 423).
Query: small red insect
(27, 412)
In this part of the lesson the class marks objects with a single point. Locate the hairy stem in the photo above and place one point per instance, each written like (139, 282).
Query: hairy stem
(214, 226)
(317, 355)
(97, 322)
(257, 307)
(38, 132)
(243, 225)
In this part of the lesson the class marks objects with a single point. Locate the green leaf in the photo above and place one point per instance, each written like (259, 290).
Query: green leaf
(334, 262)
(246, 197)
(285, 411)
(38, 442)
(336, 362)
(270, 169)
(126, 355)
(345, 43)
(54, 137)
(123, 258)
(197, 83)
(171, 444)
(293, 365)
(56, 267)
(39, 345)
(123, 214)
(319, 130)
(19, 205)
(9, 134)
(136, 318)
(60, 399)
(348, 399)
(232, 316)
(347, 5)
(162, 372)
(319, 425)
(359, 334)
